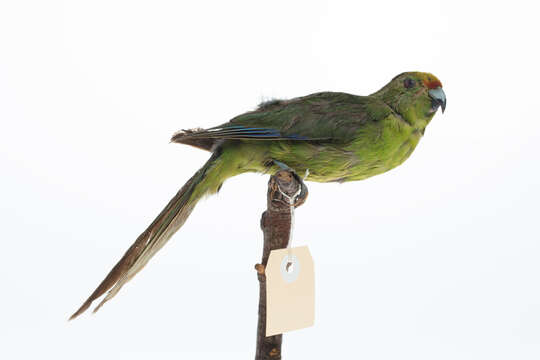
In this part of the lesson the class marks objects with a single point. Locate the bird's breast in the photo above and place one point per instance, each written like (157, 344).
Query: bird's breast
(373, 151)
(379, 153)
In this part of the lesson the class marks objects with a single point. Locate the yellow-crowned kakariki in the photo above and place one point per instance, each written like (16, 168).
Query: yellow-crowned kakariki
(338, 137)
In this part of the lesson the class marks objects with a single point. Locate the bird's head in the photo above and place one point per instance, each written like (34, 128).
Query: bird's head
(416, 96)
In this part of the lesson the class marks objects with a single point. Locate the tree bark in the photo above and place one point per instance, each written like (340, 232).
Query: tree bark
(275, 224)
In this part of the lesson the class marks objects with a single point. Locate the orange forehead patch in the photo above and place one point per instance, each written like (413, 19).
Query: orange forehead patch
(431, 81)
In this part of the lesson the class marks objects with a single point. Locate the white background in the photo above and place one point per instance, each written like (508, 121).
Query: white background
(438, 259)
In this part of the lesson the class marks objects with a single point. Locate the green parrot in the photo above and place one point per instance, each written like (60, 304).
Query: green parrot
(336, 136)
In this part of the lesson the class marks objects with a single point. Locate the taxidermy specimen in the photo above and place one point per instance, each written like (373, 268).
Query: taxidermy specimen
(336, 136)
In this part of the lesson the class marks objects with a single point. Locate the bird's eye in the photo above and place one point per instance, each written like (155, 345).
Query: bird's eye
(408, 83)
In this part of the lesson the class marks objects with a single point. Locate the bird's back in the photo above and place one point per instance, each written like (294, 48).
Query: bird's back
(323, 117)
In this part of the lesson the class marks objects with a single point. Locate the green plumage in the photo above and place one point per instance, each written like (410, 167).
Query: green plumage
(337, 136)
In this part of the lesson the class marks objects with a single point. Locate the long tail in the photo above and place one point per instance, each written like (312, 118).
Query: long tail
(205, 181)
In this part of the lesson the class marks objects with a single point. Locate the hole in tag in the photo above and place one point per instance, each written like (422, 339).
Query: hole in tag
(290, 268)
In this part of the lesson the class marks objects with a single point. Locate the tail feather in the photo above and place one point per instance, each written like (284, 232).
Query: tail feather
(153, 238)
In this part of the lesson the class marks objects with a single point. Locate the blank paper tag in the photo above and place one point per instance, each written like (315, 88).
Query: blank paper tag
(290, 294)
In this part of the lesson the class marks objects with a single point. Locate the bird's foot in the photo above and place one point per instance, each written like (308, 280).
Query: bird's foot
(301, 196)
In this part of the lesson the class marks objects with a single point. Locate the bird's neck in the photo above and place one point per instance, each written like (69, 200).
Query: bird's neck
(418, 120)
(416, 110)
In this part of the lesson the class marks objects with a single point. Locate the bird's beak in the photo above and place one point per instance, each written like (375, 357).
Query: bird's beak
(438, 98)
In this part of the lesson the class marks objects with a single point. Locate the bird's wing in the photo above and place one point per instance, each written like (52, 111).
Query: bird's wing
(326, 116)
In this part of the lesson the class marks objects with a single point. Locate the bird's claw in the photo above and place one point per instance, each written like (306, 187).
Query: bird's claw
(302, 196)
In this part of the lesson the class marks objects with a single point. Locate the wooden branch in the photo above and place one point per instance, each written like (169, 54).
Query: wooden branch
(275, 224)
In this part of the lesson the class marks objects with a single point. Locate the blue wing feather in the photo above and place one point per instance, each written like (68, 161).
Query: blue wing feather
(238, 131)
(206, 138)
